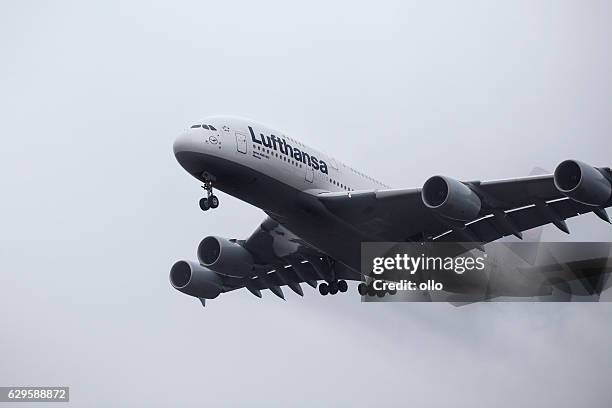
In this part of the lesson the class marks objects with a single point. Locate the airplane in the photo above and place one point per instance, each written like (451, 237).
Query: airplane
(319, 210)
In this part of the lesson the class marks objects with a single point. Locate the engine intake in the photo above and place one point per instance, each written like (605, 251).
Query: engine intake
(582, 182)
(451, 198)
(193, 279)
(225, 257)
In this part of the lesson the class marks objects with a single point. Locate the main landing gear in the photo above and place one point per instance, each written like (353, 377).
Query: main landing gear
(211, 200)
(333, 287)
(368, 290)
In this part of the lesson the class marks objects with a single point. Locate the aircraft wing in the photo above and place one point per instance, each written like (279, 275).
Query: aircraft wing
(284, 260)
(497, 208)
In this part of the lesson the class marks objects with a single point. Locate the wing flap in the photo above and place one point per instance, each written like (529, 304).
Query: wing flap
(283, 277)
(487, 229)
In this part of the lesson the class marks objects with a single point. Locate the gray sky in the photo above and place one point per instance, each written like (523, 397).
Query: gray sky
(95, 209)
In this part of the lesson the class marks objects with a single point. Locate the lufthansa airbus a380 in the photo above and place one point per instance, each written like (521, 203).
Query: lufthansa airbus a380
(320, 210)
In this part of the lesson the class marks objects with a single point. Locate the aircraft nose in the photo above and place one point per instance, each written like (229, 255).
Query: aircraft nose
(186, 152)
(181, 144)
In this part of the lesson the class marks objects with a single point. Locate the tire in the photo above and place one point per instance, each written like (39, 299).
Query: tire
(333, 288)
(204, 204)
(342, 286)
(323, 289)
(362, 288)
(214, 201)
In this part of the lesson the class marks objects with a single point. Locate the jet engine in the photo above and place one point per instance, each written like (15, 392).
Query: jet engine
(225, 256)
(583, 183)
(193, 279)
(451, 198)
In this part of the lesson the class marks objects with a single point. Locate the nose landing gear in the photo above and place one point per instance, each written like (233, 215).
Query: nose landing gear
(211, 200)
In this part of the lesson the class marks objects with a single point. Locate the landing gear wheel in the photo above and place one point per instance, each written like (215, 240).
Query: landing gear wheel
(371, 291)
(204, 205)
(380, 293)
(333, 288)
(362, 288)
(342, 286)
(213, 201)
(323, 289)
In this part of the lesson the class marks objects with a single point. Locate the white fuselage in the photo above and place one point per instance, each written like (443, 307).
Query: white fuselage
(272, 153)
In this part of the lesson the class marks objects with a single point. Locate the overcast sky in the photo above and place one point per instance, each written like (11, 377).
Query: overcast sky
(95, 208)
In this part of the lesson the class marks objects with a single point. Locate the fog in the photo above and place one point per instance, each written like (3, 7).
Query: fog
(95, 209)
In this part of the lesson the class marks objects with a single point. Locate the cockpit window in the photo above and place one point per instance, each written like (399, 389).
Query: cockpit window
(207, 127)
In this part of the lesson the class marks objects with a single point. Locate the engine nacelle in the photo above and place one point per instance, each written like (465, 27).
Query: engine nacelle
(193, 279)
(225, 257)
(451, 198)
(582, 183)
